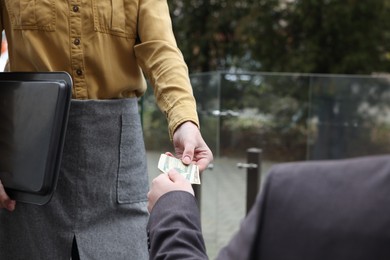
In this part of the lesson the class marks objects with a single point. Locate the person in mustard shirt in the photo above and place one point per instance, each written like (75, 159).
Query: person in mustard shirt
(99, 208)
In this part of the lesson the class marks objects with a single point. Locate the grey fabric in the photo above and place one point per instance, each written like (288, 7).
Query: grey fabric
(101, 194)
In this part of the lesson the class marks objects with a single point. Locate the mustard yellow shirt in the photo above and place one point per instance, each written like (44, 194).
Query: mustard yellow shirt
(107, 46)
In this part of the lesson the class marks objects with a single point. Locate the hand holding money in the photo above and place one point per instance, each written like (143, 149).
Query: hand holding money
(190, 172)
(164, 183)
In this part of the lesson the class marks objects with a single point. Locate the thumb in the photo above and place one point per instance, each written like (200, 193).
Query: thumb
(188, 154)
(175, 176)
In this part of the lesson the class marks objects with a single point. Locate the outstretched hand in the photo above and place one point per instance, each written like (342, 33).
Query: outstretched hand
(165, 183)
(190, 146)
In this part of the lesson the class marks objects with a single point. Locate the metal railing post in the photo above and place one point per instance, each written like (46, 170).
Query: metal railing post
(253, 169)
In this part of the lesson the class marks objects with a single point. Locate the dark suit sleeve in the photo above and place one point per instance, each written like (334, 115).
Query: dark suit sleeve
(306, 207)
(174, 228)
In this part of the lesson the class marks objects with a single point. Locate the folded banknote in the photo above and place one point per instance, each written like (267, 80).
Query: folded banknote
(190, 172)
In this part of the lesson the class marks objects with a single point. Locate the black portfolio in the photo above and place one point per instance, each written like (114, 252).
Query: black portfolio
(34, 110)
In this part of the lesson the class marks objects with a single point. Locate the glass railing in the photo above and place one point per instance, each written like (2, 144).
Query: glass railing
(290, 117)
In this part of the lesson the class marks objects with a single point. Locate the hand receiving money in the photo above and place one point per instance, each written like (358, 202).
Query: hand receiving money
(190, 172)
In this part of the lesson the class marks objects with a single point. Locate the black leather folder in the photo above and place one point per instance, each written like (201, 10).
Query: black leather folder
(34, 110)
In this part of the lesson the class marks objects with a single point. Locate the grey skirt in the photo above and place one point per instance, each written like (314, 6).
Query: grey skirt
(101, 194)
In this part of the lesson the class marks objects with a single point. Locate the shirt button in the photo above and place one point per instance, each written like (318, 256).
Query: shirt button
(79, 72)
(75, 8)
(76, 41)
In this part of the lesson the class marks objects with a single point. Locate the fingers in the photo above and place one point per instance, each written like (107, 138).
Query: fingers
(190, 146)
(175, 176)
(5, 201)
(188, 154)
(169, 154)
(180, 182)
(150, 202)
(160, 179)
(160, 185)
(204, 162)
(185, 139)
(165, 183)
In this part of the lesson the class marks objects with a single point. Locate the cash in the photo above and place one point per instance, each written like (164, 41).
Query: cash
(190, 172)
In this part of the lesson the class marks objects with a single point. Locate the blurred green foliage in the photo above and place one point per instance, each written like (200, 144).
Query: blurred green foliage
(306, 36)
(291, 116)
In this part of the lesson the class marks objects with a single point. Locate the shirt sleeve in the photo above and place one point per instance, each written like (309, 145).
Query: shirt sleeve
(163, 64)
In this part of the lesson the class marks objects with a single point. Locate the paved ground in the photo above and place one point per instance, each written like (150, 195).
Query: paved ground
(223, 199)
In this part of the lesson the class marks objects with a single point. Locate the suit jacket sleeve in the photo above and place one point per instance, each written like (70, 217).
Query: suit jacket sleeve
(306, 207)
(174, 229)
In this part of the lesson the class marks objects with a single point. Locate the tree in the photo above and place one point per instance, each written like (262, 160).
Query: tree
(205, 31)
(318, 36)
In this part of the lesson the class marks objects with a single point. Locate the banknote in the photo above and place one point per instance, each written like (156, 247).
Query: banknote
(190, 172)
